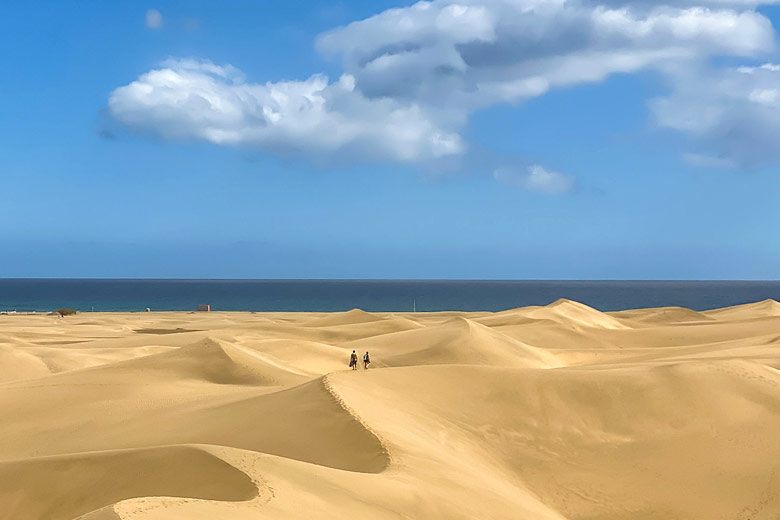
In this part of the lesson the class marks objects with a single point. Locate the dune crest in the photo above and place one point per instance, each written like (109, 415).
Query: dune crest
(765, 308)
(569, 312)
(344, 318)
(18, 363)
(662, 315)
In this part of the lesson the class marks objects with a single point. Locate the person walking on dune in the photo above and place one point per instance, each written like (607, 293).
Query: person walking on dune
(353, 361)
(366, 361)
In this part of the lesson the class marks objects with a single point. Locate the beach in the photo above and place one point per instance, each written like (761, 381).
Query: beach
(546, 413)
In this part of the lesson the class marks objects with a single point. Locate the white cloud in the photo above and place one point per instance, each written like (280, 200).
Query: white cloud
(154, 19)
(477, 53)
(316, 118)
(414, 75)
(765, 96)
(734, 112)
(535, 178)
(766, 66)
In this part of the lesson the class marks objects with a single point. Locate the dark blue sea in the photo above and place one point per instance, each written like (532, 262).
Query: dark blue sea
(371, 295)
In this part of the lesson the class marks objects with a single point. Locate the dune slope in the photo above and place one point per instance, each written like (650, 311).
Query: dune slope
(64, 487)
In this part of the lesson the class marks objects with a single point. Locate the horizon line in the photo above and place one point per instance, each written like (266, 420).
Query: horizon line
(78, 278)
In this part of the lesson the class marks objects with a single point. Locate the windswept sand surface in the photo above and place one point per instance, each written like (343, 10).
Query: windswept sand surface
(540, 413)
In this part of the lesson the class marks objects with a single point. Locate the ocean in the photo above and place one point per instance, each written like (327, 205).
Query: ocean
(26, 295)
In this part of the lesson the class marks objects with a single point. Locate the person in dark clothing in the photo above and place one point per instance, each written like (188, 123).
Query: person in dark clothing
(366, 361)
(353, 361)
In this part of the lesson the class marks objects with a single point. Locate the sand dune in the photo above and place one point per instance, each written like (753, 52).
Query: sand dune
(626, 440)
(574, 314)
(16, 363)
(63, 487)
(669, 315)
(457, 341)
(559, 412)
(33, 362)
(761, 309)
(213, 361)
(343, 318)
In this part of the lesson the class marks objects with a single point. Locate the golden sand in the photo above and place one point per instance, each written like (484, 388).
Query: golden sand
(540, 413)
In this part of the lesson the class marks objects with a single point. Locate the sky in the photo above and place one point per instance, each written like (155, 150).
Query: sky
(452, 139)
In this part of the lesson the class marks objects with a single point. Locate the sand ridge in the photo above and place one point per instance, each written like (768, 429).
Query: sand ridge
(559, 412)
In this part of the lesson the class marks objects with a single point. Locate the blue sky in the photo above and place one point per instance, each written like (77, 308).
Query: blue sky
(499, 139)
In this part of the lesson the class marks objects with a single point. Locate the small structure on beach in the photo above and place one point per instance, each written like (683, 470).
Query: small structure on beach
(204, 308)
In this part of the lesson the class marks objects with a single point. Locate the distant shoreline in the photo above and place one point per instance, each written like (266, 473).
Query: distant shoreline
(103, 295)
(449, 312)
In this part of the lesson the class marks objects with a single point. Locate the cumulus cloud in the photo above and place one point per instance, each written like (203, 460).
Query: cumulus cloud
(735, 112)
(154, 19)
(412, 77)
(535, 178)
(189, 99)
(479, 53)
